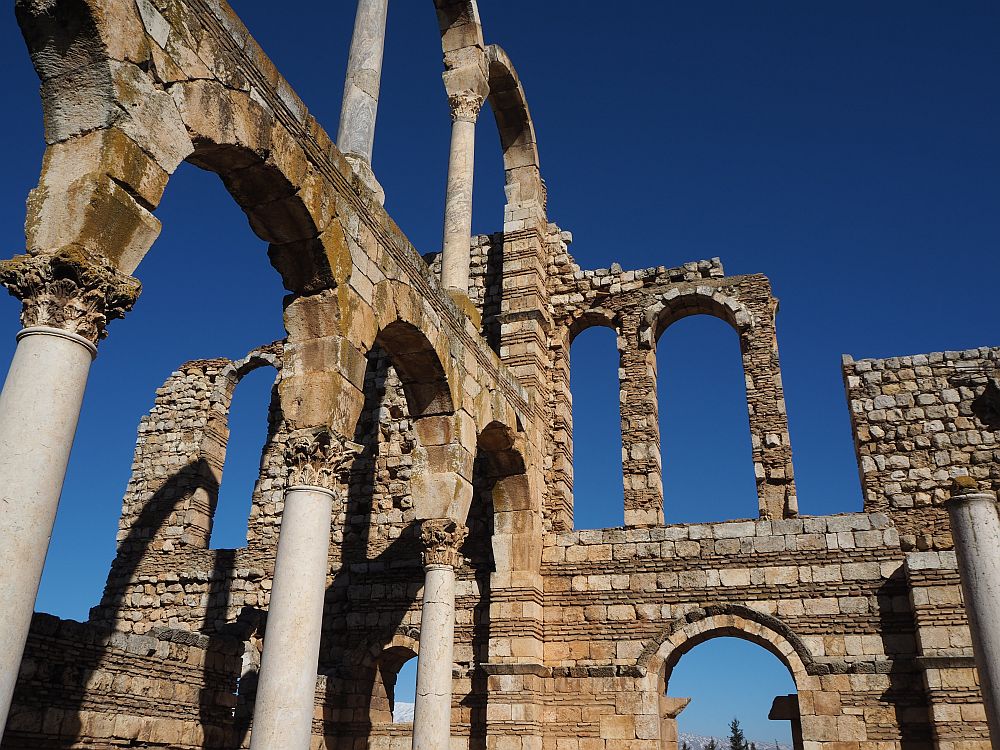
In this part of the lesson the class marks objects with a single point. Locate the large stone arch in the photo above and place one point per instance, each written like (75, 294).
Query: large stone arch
(102, 173)
(517, 130)
(287, 202)
(560, 497)
(120, 117)
(822, 719)
(664, 651)
(596, 317)
(410, 332)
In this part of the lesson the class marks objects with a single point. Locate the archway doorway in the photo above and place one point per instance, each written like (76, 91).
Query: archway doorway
(728, 690)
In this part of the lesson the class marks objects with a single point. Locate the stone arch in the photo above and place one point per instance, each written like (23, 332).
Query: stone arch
(517, 130)
(560, 501)
(230, 376)
(499, 444)
(419, 367)
(663, 652)
(591, 318)
(287, 202)
(416, 349)
(98, 186)
(517, 512)
(681, 303)
(386, 665)
(460, 25)
(111, 153)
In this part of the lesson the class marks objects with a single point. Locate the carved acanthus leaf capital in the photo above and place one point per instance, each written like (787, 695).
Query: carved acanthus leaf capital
(315, 457)
(442, 538)
(69, 290)
(465, 106)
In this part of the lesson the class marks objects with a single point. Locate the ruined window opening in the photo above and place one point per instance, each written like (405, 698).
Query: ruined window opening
(248, 429)
(706, 453)
(707, 688)
(395, 686)
(598, 483)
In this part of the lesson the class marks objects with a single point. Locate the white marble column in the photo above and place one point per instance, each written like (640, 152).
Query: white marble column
(67, 303)
(975, 526)
(457, 241)
(442, 538)
(358, 114)
(286, 689)
(39, 408)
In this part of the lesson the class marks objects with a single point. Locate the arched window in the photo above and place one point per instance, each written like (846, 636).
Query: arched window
(248, 431)
(705, 448)
(598, 486)
(726, 679)
(395, 686)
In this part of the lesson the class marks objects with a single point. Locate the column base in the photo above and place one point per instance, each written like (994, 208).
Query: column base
(364, 172)
(462, 301)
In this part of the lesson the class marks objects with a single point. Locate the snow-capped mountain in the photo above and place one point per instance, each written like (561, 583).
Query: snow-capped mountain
(402, 712)
(698, 742)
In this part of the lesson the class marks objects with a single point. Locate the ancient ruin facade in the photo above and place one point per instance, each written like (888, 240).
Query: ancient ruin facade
(415, 494)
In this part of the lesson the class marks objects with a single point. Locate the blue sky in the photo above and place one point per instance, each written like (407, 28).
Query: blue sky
(846, 149)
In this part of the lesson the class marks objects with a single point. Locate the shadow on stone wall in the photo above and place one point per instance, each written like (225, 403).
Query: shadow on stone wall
(906, 694)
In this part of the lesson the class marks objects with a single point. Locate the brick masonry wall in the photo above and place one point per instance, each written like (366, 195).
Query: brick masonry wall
(168, 689)
(945, 647)
(831, 587)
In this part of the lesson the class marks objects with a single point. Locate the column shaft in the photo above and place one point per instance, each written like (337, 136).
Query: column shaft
(356, 135)
(39, 409)
(975, 526)
(457, 240)
(287, 688)
(432, 713)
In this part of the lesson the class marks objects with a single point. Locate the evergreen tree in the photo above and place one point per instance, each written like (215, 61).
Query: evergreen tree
(737, 741)
(753, 746)
(685, 745)
(711, 745)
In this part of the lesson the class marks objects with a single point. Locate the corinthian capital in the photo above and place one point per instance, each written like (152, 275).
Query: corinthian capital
(465, 106)
(316, 456)
(441, 539)
(69, 290)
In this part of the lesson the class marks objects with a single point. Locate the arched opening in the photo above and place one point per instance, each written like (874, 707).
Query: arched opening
(395, 686)
(598, 483)
(705, 448)
(203, 269)
(376, 535)
(248, 428)
(727, 678)
(422, 378)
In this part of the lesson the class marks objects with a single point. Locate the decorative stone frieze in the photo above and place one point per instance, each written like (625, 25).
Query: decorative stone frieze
(441, 539)
(465, 106)
(69, 290)
(315, 457)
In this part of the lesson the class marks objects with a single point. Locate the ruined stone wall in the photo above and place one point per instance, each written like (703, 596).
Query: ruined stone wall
(165, 575)
(831, 588)
(573, 655)
(169, 689)
(918, 422)
(639, 306)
